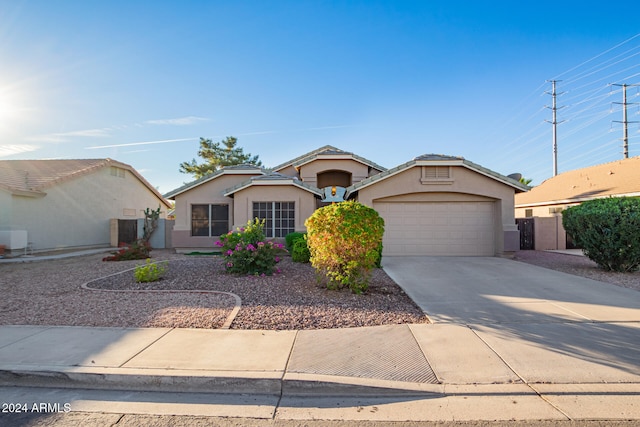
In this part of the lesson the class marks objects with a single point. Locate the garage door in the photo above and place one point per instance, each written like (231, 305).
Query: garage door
(438, 228)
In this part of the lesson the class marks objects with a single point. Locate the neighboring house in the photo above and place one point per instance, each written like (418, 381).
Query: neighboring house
(432, 205)
(70, 203)
(539, 211)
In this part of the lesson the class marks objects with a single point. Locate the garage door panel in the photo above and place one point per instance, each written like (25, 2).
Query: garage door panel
(438, 229)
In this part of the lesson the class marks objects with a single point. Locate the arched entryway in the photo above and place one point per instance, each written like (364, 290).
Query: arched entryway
(334, 178)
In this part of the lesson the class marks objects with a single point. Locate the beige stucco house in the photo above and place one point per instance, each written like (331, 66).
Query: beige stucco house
(542, 206)
(56, 204)
(432, 205)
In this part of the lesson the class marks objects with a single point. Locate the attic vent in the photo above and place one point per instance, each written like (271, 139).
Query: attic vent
(116, 171)
(436, 175)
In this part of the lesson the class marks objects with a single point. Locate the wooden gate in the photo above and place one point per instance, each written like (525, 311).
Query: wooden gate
(526, 227)
(127, 230)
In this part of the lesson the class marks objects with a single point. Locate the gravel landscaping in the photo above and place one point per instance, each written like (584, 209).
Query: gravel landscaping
(51, 293)
(578, 266)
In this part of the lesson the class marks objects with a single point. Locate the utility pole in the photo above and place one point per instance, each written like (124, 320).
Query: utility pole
(554, 122)
(625, 122)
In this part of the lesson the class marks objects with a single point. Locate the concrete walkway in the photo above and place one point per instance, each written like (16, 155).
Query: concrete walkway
(18, 258)
(509, 341)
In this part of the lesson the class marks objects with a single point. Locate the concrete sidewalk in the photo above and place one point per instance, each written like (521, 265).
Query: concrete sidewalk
(509, 341)
(433, 372)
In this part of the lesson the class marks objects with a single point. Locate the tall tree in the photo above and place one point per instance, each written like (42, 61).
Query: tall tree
(218, 155)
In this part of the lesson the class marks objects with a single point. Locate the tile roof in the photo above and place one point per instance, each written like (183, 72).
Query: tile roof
(274, 178)
(327, 150)
(435, 159)
(237, 169)
(35, 176)
(620, 177)
(311, 153)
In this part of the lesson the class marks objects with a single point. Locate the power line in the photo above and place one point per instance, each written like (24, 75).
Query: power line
(625, 122)
(554, 122)
(598, 55)
(585, 137)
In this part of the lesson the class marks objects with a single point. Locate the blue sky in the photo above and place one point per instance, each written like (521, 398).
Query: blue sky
(142, 81)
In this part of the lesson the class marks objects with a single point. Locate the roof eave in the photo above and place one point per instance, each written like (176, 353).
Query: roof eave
(518, 186)
(171, 195)
(340, 156)
(575, 200)
(378, 177)
(275, 182)
(303, 156)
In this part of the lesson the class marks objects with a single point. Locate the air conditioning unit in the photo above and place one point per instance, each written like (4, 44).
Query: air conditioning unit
(13, 239)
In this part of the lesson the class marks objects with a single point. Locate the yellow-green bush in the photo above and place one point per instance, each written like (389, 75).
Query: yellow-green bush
(150, 272)
(344, 241)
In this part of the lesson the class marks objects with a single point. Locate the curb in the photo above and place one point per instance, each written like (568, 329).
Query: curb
(214, 382)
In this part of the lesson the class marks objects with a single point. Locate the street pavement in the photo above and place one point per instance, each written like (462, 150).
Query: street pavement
(509, 341)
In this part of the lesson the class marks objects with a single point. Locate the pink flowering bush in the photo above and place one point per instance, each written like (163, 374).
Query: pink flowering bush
(246, 250)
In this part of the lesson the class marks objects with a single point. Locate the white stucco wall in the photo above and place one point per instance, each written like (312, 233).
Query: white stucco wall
(5, 209)
(77, 212)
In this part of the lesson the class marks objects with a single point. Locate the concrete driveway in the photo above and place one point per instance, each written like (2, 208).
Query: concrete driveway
(546, 325)
(477, 290)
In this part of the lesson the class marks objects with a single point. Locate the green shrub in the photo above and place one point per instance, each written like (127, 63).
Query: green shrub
(150, 272)
(246, 250)
(300, 252)
(608, 231)
(345, 240)
(291, 238)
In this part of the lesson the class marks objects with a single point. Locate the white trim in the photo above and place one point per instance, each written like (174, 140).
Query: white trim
(272, 211)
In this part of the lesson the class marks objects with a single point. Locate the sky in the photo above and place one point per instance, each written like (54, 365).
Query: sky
(142, 81)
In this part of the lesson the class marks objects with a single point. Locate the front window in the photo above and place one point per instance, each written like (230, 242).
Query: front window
(209, 220)
(279, 217)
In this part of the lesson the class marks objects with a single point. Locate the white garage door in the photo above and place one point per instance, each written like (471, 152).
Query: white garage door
(438, 228)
